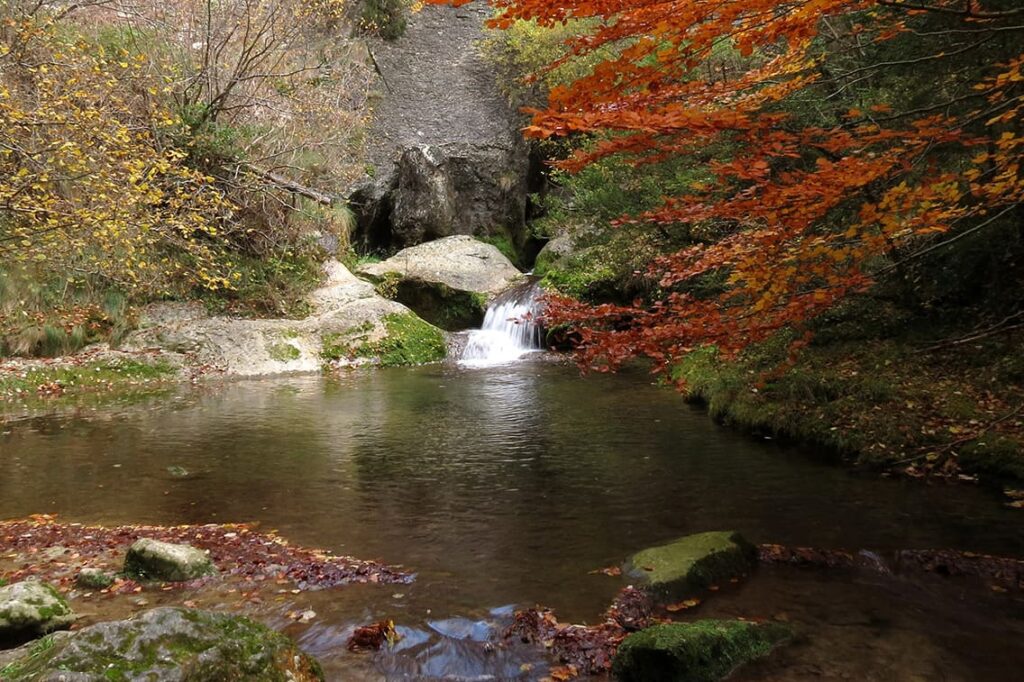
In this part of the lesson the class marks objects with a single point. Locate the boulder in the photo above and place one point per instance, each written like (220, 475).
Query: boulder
(167, 645)
(692, 563)
(149, 559)
(703, 651)
(448, 281)
(31, 608)
(90, 578)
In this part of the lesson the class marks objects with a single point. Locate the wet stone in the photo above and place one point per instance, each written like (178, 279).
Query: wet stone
(149, 559)
(32, 608)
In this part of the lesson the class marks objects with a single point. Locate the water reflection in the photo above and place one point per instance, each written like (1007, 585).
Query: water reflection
(499, 485)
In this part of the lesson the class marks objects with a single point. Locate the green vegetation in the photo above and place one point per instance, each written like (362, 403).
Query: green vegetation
(175, 185)
(692, 563)
(921, 375)
(440, 305)
(870, 390)
(40, 385)
(408, 341)
(284, 352)
(209, 645)
(386, 18)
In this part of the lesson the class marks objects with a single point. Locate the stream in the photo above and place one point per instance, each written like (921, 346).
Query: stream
(507, 486)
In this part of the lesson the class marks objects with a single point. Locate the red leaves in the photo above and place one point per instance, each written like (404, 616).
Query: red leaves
(373, 636)
(785, 256)
(585, 649)
(236, 549)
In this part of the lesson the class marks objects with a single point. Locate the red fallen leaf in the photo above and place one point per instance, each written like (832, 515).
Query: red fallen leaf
(373, 636)
(682, 605)
(610, 570)
(563, 673)
(647, 568)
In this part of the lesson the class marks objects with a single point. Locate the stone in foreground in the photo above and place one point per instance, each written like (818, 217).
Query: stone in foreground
(90, 578)
(32, 608)
(167, 645)
(149, 559)
(704, 651)
(691, 563)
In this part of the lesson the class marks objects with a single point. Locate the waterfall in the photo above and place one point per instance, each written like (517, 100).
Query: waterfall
(509, 330)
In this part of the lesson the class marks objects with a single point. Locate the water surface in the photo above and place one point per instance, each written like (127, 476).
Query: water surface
(507, 485)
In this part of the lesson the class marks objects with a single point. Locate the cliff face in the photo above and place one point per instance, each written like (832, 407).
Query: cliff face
(445, 152)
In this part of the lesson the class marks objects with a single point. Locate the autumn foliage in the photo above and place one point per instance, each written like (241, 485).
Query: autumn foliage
(844, 139)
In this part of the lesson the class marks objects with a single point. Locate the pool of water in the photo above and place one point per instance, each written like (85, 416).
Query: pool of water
(507, 486)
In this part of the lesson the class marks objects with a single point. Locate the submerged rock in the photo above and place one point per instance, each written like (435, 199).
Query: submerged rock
(92, 578)
(31, 608)
(704, 651)
(692, 563)
(167, 645)
(448, 281)
(149, 559)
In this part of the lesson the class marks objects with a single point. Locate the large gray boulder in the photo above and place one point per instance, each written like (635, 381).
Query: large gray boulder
(149, 559)
(445, 148)
(344, 307)
(166, 645)
(704, 651)
(448, 281)
(692, 563)
(31, 608)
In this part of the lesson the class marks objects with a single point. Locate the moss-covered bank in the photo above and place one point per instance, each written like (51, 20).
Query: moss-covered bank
(891, 400)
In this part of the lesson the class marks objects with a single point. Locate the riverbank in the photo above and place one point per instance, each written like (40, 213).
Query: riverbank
(903, 404)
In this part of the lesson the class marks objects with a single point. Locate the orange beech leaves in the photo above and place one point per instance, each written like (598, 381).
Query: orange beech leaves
(802, 215)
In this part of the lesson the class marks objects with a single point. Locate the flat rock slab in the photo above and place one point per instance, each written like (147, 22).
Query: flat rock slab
(32, 608)
(692, 563)
(344, 306)
(167, 645)
(459, 262)
(149, 559)
(703, 651)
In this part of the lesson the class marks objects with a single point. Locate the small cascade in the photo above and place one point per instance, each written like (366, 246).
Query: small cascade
(509, 330)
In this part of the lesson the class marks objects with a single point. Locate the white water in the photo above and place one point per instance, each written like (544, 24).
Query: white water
(508, 332)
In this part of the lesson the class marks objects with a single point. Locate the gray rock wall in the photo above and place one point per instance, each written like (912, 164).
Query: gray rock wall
(445, 148)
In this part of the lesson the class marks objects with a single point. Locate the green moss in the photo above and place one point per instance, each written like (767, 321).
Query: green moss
(94, 579)
(695, 562)
(409, 341)
(86, 376)
(284, 352)
(503, 244)
(880, 402)
(39, 648)
(209, 646)
(995, 456)
(440, 305)
(704, 651)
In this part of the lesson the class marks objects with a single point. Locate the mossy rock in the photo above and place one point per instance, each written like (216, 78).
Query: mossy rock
(94, 579)
(440, 305)
(409, 341)
(149, 559)
(703, 651)
(691, 564)
(168, 645)
(31, 608)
